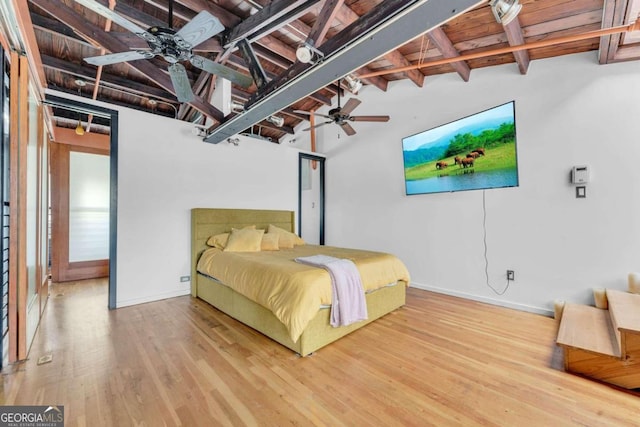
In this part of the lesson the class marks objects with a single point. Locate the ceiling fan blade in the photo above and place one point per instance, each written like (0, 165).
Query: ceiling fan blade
(346, 127)
(221, 70)
(113, 16)
(181, 83)
(309, 113)
(202, 27)
(369, 118)
(351, 104)
(114, 58)
(319, 124)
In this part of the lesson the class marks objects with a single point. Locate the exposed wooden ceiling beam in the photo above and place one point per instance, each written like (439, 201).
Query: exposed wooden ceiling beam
(268, 19)
(283, 128)
(227, 18)
(137, 15)
(272, 57)
(178, 12)
(635, 26)
(515, 37)
(74, 20)
(108, 80)
(68, 136)
(323, 22)
(443, 44)
(626, 53)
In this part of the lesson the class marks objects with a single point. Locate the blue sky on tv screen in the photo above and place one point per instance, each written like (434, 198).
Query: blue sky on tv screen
(473, 124)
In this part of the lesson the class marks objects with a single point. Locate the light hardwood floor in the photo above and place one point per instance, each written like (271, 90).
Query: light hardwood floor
(437, 361)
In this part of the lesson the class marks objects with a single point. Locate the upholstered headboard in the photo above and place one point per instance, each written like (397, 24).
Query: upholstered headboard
(207, 222)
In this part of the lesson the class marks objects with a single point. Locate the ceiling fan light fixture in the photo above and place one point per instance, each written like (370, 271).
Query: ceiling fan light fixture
(354, 83)
(505, 11)
(276, 120)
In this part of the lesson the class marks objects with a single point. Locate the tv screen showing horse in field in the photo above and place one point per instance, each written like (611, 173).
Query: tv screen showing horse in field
(472, 153)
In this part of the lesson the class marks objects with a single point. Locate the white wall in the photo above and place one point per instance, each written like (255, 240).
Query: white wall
(163, 172)
(569, 111)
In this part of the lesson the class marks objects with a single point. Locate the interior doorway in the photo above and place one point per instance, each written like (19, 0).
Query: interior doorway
(78, 208)
(311, 198)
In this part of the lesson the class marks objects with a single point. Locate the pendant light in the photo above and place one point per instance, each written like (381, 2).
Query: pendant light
(79, 127)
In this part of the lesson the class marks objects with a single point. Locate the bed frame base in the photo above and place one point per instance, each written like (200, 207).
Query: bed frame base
(316, 335)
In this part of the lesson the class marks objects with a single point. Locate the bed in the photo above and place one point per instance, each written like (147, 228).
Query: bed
(317, 332)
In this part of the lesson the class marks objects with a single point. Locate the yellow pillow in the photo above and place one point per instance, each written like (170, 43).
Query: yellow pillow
(277, 230)
(269, 242)
(245, 240)
(285, 241)
(219, 240)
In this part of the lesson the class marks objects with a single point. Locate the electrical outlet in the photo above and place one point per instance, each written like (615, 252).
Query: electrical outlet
(185, 278)
(511, 275)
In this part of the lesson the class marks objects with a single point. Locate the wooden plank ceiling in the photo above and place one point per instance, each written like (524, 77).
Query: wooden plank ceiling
(264, 35)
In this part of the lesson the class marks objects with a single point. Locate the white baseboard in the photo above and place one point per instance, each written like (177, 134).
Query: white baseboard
(151, 298)
(516, 306)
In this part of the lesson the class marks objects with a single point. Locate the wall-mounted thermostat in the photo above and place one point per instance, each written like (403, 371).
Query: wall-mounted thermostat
(580, 174)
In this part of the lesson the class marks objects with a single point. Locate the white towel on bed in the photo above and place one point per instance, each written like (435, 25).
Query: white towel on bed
(348, 304)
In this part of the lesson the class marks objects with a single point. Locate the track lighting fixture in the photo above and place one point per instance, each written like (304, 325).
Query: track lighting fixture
(505, 11)
(199, 131)
(354, 83)
(276, 120)
(308, 54)
(237, 107)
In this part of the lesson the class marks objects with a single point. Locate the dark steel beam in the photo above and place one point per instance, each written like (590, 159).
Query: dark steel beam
(385, 27)
(255, 69)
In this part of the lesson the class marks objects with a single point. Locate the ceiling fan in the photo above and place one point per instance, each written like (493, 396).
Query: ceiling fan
(173, 46)
(342, 115)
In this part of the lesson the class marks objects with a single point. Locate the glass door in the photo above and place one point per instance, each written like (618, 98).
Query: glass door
(4, 192)
(311, 198)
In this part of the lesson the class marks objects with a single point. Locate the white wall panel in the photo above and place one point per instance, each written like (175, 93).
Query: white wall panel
(569, 111)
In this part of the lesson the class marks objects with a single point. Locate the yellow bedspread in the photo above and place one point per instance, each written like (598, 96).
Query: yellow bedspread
(294, 292)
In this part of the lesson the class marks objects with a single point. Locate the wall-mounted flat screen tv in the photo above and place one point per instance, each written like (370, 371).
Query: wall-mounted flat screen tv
(471, 153)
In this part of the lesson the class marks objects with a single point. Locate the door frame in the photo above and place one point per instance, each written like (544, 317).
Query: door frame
(60, 102)
(302, 157)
